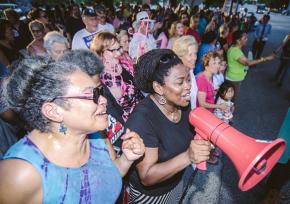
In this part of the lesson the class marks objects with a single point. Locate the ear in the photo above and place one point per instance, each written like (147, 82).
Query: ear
(52, 111)
(158, 88)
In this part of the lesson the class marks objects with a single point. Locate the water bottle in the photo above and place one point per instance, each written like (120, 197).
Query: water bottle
(250, 55)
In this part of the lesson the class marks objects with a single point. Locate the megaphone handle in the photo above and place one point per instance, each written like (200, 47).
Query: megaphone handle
(201, 165)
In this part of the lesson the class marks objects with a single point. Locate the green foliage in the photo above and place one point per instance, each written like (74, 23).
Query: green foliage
(275, 3)
(214, 3)
(50, 2)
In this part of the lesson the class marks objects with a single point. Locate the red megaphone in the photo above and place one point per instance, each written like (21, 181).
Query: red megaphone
(253, 159)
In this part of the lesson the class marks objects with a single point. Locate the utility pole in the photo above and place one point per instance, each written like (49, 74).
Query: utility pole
(231, 8)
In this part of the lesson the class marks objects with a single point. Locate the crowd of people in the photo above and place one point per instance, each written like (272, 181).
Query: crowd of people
(93, 96)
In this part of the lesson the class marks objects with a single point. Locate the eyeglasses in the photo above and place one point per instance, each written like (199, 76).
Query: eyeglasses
(44, 16)
(115, 50)
(59, 52)
(97, 92)
(36, 30)
(101, 17)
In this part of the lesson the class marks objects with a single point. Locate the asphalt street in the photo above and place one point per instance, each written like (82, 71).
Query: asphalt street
(260, 110)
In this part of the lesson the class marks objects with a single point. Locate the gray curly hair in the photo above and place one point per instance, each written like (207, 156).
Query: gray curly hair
(52, 37)
(34, 81)
(87, 60)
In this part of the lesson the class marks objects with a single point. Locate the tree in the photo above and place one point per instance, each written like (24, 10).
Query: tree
(275, 3)
(214, 3)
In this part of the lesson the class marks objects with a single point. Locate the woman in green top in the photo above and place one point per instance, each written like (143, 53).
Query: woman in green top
(237, 62)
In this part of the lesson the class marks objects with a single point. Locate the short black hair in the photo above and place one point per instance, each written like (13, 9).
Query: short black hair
(35, 13)
(209, 37)
(267, 17)
(224, 87)
(145, 7)
(34, 81)
(237, 35)
(154, 66)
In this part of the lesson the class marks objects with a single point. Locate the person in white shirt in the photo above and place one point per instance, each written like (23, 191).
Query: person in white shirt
(219, 77)
(84, 37)
(103, 24)
(186, 49)
(142, 41)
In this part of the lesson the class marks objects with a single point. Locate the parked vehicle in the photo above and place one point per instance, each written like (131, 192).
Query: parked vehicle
(261, 9)
(286, 12)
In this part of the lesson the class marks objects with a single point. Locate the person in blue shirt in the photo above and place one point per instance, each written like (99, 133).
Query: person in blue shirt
(262, 34)
(209, 40)
(56, 162)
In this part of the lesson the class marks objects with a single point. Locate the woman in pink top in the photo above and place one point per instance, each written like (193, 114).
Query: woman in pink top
(125, 60)
(163, 35)
(206, 93)
(176, 30)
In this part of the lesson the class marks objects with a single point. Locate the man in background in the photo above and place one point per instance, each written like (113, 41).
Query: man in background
(74, 22)
(262, 34)
(84, 37)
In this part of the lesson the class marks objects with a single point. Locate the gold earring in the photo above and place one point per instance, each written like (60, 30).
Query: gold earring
(162, 100)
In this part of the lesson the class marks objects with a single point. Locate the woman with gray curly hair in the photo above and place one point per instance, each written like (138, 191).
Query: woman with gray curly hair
(55, 44)
(60, 105)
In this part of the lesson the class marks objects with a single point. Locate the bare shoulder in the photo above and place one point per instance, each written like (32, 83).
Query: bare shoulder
(20, 182)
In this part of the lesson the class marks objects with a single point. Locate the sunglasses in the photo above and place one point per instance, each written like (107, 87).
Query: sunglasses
(36, 30)
(97, 92)
(115, 50)
(44, 16)
(101, 17)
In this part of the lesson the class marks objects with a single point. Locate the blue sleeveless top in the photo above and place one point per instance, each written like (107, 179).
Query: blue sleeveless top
(98, 181)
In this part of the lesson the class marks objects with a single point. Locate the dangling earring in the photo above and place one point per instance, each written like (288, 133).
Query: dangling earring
(162, 100)
(62, 129)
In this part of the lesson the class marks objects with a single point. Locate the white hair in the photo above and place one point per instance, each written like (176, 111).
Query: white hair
(52, 37)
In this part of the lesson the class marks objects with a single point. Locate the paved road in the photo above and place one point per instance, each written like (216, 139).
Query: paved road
(260, 109)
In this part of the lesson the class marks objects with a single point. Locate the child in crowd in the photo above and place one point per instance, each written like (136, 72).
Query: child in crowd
(219, 77)
(225, 95)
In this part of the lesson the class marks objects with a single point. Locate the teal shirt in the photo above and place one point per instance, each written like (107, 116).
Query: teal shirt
(97, 181)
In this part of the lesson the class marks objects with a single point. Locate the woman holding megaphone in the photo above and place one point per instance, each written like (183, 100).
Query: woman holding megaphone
(161, 120)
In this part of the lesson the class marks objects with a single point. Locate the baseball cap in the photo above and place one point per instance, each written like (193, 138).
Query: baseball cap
(89, 12)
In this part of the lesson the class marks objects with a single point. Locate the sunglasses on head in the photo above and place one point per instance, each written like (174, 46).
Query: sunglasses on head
(97, 92)
(115, 50)
(166, 58)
